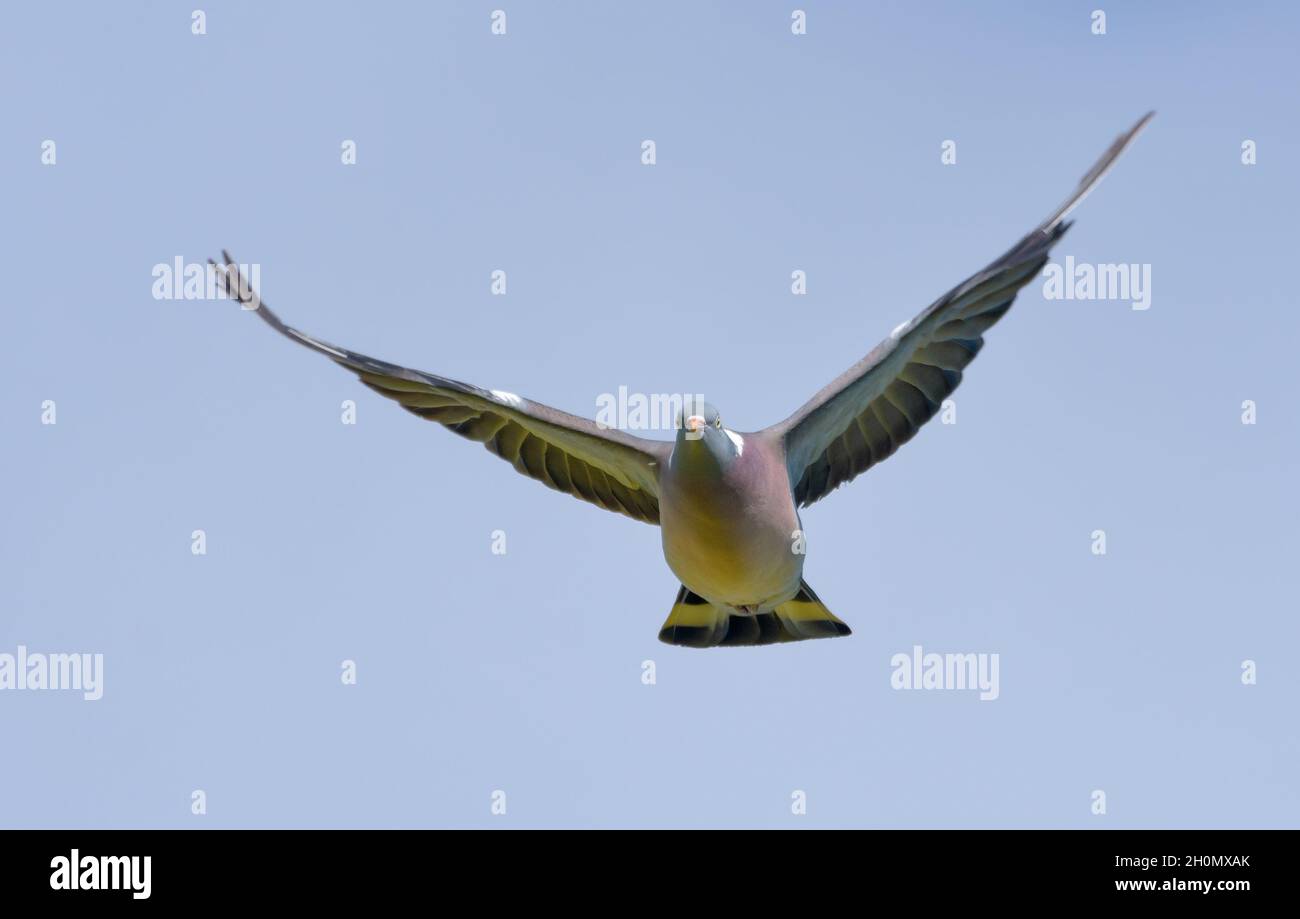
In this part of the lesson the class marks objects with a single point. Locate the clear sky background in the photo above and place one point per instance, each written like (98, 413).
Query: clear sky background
(479, 672)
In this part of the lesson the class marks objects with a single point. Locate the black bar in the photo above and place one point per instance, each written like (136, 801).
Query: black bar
(335, 867)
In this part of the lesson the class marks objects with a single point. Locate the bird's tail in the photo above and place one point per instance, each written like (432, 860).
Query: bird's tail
(696, 623)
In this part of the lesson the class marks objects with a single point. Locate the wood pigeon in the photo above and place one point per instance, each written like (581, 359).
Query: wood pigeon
(727, 502)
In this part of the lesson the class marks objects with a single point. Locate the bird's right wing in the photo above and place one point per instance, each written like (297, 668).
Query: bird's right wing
(604, 467)
(879, 403)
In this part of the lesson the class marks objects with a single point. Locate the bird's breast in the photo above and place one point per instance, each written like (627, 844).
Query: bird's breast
(732, 538)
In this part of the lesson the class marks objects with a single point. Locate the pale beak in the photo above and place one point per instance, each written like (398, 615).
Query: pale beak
(695, 424)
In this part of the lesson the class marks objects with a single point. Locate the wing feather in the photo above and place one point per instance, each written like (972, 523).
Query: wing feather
(878, 404)
(607, 468)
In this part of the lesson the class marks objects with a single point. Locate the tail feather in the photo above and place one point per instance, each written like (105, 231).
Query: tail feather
(693, 622)
(696, 623)
(807, 617)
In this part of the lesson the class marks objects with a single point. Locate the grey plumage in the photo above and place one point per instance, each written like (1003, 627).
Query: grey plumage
(879, 403)
(605, 467)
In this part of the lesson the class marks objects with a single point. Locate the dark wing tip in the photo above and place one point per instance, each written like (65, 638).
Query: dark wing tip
(1098, 170)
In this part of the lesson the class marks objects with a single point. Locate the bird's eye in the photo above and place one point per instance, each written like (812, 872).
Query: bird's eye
(717, 422)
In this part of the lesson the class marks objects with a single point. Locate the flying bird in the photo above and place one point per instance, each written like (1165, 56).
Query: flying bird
(727, 503)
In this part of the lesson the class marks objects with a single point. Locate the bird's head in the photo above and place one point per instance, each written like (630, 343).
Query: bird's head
(701, 436)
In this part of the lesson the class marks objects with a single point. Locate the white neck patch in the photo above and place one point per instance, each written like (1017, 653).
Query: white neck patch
(735, 439)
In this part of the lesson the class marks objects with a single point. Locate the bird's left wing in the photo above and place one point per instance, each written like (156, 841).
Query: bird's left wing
(879, 403)
(605, 467)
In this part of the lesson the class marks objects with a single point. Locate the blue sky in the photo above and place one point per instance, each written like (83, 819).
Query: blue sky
(522, 672)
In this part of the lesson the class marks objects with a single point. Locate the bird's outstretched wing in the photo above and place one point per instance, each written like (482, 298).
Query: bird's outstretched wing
(875, 406)
(607, 468)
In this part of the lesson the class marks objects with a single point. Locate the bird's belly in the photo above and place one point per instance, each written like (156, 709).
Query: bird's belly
(740, 562)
